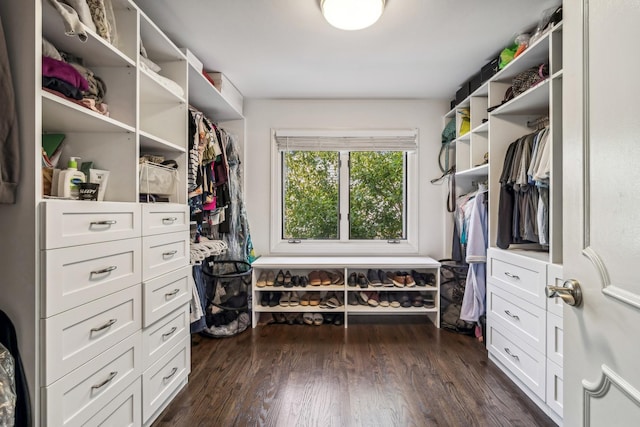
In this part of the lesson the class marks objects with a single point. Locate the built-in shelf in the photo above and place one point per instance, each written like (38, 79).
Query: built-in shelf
(363, 309)
(533, 101)
(535, 54)
(476, 172)
(61, 115)
(483, 128)
(463, 138)
(154, 92)
(205, 97)
(149, 142)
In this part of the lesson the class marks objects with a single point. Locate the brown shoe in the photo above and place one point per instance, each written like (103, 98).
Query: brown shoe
(314, 278)
(408, 281)
(324, 278)
(398, 279)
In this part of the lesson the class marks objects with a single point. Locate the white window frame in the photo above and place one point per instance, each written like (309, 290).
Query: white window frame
(344, 246)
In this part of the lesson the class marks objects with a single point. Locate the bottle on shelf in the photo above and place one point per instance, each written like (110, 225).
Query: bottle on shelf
(69, 180)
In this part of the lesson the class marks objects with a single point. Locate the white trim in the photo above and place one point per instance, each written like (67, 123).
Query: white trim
(409, 246)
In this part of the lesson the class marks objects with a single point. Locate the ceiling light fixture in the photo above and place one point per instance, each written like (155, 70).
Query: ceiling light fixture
(352, 14)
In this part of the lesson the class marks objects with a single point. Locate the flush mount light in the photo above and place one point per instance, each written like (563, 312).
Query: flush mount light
(352, 14)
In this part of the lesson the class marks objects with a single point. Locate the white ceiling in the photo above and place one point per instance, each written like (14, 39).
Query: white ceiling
(285, 48)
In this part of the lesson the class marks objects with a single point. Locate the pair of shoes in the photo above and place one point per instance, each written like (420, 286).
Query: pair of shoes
(336, 277)
(294, 318)
(363, 298)
(393, 300)
(310, 298)
(363, 282)
(418, 301)
(385, 279)
(279, 317)
(402, 279)
(312, 319)
(424, 279)
(429, 301)
(264, 298)
(271, 299)
(289, 299)
(352, 299)
(405, 301)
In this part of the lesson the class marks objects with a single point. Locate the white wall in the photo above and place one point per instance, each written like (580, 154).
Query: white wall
(426, 115)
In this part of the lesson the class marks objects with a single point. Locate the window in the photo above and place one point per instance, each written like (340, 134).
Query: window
(344, 192)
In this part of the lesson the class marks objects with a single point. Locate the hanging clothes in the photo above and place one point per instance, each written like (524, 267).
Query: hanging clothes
(9, 139)
(524, 197)
(473, 302)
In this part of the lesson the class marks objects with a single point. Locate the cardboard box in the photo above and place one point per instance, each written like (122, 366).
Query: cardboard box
(227, 90)
(191, 58)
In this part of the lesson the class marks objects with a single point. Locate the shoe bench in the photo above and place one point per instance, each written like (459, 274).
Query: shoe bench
(344, 266)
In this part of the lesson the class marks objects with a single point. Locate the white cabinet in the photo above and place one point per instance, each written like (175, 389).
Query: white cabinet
(424, 293)
(524, 330)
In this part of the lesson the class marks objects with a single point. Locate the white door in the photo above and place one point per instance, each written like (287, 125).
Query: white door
(601, 209)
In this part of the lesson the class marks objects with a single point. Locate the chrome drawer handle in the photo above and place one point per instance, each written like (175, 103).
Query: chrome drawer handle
(513, 276)
(168, 334)
(172, 293)
(513, 316)
(105, 326)
(173, 372)
(515, 356)
(170, 253)
(112, 375)
(170, 219)
(105, 270)
(108, 222)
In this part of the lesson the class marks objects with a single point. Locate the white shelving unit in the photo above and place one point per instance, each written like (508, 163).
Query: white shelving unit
(346, 265)
(103, 304)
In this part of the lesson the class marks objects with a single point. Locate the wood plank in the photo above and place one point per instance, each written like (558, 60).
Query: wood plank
(383, 371)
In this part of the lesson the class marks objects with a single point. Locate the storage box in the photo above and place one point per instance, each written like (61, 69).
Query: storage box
(158, 179)
(474, 83)
(191, 58)
(462, 93)
(489, 69)
(227, 90)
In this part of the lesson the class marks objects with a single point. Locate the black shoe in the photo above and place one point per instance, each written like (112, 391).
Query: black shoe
(295, 281)
(328, 318)
(287, 280)
(384, 279)
(274, 299)
(303, 281)
(419, 278)
(264, 298)
(373, 278)
(279, 279)
(353, 279)
(362, 281)
(430, 278)
(339, 319)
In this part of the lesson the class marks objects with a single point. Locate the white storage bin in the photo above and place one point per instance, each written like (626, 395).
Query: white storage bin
(227, 90)
(158, 179)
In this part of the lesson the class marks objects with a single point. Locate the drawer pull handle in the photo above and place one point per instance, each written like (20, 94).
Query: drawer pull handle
(107, 222)
(172, 293)
(513, 316)
(168, 334)
(105, 326)
(170, 219)
(173, 372)
(515, 356)
(105, 270)
(513, 276)
(170, 253)
(111, 376)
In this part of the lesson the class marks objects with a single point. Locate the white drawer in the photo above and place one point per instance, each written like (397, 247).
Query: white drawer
(523, 277)
(164, 253)
(526, 364)
(123, 411)
(159, 218)
(163, 335)
(555, 387)
(555, 278)
(79, 274)
(520, 318)
(75, 336)
(555, 349)
(71, 223)
(80, 395)
(165, 294)
(162, 378)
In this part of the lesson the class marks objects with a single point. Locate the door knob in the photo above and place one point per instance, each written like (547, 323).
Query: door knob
(570, 292)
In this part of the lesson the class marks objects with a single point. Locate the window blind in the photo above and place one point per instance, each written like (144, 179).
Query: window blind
(394, 140)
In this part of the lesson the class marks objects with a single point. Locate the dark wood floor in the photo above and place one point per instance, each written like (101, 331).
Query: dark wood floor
(379, 372)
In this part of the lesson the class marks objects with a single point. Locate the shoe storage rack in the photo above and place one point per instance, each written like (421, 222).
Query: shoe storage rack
(344, 286)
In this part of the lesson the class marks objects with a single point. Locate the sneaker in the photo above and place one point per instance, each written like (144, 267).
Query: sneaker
(408, 280)
(373, 278)
(384, 279)
(384, 299)
(419, 278)
(429, 302)
(353, 280)
(363, 281)
(352, 299)
(374, 299)
(363, 298)
(405, 301)
(393, 300)
(398, 279)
